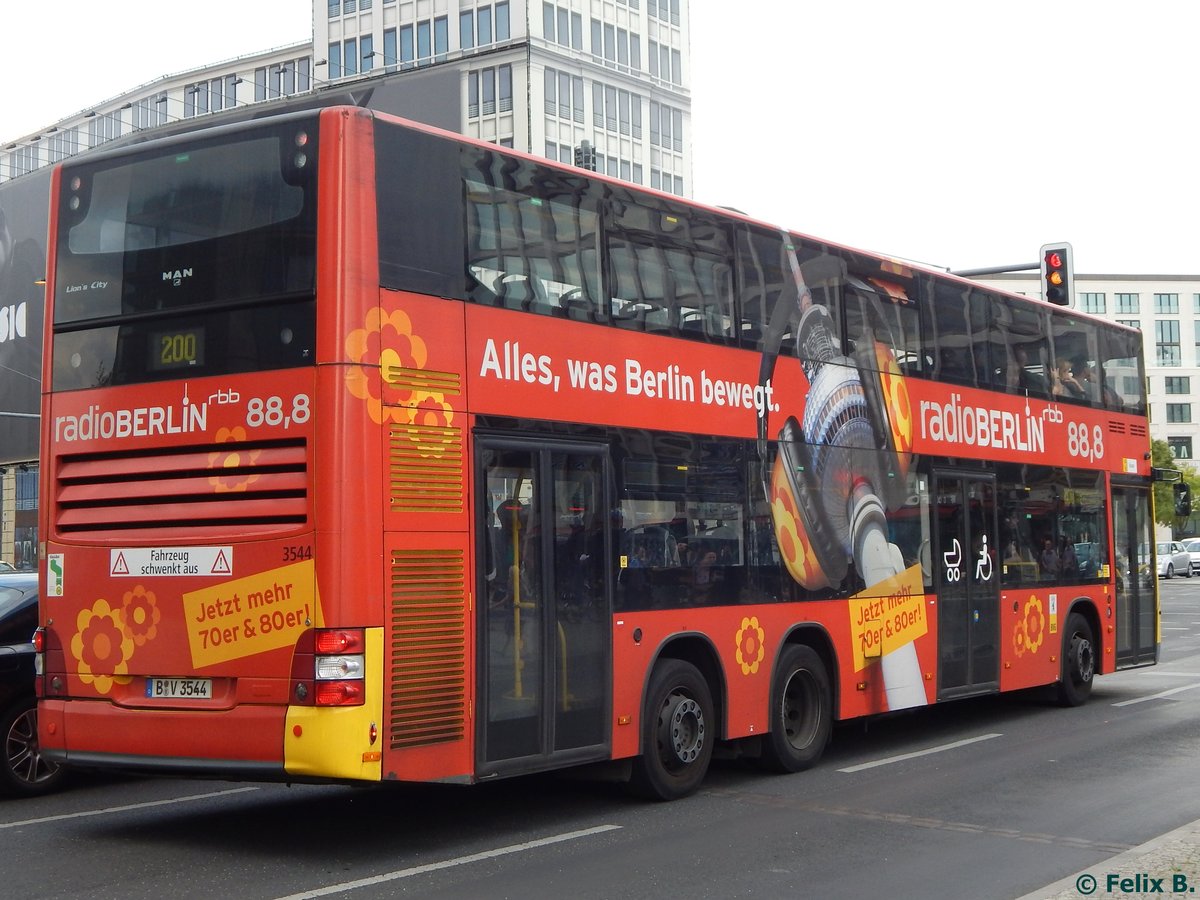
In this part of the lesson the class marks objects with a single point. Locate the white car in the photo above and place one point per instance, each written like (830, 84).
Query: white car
(1173, 558)
(1192, 546)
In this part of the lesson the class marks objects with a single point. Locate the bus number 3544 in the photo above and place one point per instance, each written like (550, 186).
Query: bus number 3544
(270, 411)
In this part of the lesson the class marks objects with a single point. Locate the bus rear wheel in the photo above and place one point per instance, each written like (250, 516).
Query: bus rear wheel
(678, 730)
(1078, 662)
(801, 712)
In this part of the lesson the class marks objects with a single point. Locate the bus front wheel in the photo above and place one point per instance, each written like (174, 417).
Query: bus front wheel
(678, 730)
(801, 712)
(1078, 662)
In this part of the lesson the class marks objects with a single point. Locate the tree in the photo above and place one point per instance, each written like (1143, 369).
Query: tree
(1164, 491)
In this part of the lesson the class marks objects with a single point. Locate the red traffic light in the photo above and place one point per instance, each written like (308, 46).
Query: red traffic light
(1054, 259)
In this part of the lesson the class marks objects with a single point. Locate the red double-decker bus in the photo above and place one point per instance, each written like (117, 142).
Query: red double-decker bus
(375, 453)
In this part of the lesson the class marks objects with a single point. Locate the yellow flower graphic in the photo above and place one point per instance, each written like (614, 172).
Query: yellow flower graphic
(140, 615)
(386, 340)
(102, 647)
(750, 649)
(226, 460)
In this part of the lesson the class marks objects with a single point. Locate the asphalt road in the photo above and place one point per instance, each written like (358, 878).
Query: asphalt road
(984, 798)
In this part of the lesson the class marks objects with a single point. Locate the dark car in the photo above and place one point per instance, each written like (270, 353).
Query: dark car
(23, 770)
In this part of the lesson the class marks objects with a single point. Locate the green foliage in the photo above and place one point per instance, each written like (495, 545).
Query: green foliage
(1164, 491)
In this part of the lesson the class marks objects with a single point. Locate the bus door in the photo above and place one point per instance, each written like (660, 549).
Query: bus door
(968, 584)
(1136, 586)
(545, 665)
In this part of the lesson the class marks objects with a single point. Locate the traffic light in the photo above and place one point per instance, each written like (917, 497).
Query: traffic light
(1057, 283)
(1183, 499)
(585, 156)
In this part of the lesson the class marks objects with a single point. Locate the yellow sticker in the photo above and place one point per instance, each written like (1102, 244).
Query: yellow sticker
(251, 615)
(892, 616)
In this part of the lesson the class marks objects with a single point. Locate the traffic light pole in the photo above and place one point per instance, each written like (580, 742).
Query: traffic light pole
(995, 270)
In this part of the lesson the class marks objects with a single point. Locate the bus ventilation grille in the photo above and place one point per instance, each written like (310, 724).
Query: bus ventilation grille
(1138, 430)
(426, 469)
(251, 487)
(1116, 427)
(422, 380)
(428, 696)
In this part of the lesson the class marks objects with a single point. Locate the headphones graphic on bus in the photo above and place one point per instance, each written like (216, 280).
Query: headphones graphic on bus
(842, 465)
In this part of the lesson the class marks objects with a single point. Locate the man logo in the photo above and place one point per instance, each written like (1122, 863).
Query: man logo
(12, 322)
(176, 277)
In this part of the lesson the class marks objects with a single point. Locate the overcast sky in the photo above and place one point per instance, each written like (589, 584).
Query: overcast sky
(954, 132)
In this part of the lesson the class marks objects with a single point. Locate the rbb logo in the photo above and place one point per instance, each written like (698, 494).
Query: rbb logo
(12, 322)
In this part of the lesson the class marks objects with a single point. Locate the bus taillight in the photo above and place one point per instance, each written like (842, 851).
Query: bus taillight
(339, 667)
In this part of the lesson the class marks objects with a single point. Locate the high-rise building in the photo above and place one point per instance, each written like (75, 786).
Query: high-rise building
(556, 79)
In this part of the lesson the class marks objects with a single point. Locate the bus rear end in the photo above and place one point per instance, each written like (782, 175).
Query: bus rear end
(182, 628)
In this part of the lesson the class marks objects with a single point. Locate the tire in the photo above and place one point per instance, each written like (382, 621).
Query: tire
(801, 716)
(1170, 571)
(24, 772)
(678, 731)
(1078, 662)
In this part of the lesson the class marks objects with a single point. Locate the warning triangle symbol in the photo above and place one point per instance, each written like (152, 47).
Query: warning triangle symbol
(119, 566)
(220, 565)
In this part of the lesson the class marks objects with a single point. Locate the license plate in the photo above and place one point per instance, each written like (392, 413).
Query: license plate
(179, 688)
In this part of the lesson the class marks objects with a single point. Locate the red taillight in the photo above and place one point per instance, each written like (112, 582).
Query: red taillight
(339, 693)
(338, 669)
(339, 640)
(39, 641)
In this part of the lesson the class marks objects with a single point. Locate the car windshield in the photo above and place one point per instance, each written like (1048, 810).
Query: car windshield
(1164, 548)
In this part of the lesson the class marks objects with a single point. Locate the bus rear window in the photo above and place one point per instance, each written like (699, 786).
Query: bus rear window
(192, 195)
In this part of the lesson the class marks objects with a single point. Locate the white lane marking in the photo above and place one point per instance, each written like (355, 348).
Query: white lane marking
(450, 863)
(914, 755)
(1159, 696)
(116, 809)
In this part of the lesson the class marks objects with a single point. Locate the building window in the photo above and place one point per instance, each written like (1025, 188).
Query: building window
(1092, 303)
(560, 26)
(503, 33)
(482, 93)
(1136, 323)
(406, 45)
(1178, 384)
(1181, 447)
(1166, 304)
(366, 45)
(441, 37)
(1179, 412)
(1128, 303)
(466, 29)
(1196, 303)
(389, 47)
(1166, 339)
(335, 8)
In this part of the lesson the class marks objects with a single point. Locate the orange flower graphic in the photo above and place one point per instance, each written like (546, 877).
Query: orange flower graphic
(386, 341)
(1035, 623)
(229, 460)
(750, 649)
(140, 615)
(1020, 641)
(794, 546)
(101, 647)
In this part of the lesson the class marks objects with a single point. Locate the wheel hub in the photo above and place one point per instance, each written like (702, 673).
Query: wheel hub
(682, 729)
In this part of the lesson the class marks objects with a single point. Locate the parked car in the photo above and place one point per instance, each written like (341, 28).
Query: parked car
(1192, 546)
(23, 770)
(1172, 559)
(6, 567)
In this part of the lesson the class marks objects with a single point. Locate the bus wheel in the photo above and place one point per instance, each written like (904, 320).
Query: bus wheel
(1078, 662)
(24, 772)
(801, 712)
(678, 730)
